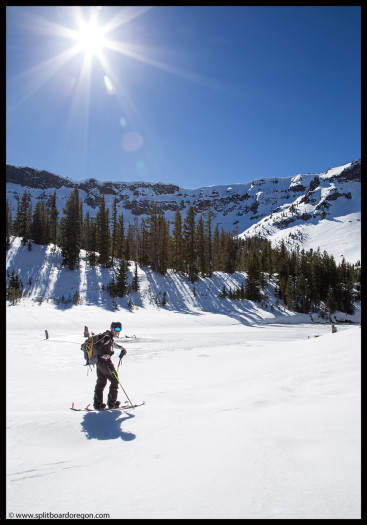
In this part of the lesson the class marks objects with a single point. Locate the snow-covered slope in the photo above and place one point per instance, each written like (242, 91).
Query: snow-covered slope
(44, 279)
(308, 210)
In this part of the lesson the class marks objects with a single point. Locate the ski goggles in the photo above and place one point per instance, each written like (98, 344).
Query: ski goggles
(117, 329)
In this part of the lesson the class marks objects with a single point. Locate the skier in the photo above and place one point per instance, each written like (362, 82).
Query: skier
(106, 369)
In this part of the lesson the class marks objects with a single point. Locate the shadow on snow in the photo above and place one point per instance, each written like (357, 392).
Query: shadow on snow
(106, 425)
(203, 295)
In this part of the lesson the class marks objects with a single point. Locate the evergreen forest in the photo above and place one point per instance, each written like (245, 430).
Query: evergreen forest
(306, 281)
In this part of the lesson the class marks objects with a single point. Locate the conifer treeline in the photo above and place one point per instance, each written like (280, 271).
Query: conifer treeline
(190, 246)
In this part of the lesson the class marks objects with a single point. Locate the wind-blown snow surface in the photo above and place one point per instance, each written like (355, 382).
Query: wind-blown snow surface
(248, 414)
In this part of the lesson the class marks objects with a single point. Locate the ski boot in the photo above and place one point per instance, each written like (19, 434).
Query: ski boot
(99, 406)
(114, 404)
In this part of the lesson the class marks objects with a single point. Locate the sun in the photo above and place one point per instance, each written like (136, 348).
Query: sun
(89, 38)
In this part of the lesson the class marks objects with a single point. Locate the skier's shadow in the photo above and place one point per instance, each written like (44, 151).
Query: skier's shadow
(106, 425)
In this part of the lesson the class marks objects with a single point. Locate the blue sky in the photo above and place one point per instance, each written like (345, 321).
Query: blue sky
(191, 95)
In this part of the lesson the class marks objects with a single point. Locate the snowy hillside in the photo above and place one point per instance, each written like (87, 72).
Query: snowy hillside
(252, 412)
(308, 210)
(45, 280)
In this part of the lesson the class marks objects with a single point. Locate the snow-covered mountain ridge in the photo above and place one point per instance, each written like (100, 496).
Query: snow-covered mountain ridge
(310, 210)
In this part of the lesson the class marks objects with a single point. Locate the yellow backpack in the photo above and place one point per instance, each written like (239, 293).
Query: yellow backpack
(89, 349)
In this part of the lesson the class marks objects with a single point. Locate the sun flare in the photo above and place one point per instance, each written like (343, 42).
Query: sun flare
(89, 39)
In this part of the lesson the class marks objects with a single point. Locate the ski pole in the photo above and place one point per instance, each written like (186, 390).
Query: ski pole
(123, 389)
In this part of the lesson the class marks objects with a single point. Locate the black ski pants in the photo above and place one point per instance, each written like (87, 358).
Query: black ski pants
(105, 370)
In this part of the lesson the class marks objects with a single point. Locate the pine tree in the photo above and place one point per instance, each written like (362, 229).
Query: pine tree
(223, 293)
(347, 303)
(135, 284)
(314, 283)
(23, 219)
(8, 224)
(129, 241)
(135, 240)
(282, 269)
(345, 280)
(81, 215)
(358, 282)
(178, 254)
(203, 263)
(121, 279)
(296, 265)
(91, 240)
(77, 299)
(130, 304)
(329, 275)
(331, 303)
(163, 228)
(114, 235)
(265, 259)
(85, 232)
(302, 295)
(189, 235)
(230, 248)
(70, 231)
(153, 237)
(111, 287)
(14, 289)
(144, 243)
(158, 240)
(120, 240)
(53, 221)
(252, 290)
(209, 242)
(217, 256)
(103, 234)
(39, 230)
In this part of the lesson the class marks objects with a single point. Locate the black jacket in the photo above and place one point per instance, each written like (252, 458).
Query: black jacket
(105, 344)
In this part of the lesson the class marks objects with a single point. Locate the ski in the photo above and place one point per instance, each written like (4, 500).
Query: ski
(122, 407)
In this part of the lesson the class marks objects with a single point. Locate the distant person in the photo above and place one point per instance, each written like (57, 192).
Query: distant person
(106, 369)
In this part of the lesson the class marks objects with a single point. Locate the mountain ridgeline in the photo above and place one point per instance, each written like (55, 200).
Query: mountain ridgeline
(235, 206)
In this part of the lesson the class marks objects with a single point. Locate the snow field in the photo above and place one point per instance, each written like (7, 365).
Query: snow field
(256, 421)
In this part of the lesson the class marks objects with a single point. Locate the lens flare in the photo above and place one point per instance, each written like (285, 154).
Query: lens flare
(141, 169)
(132, 141)
(110, 89)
